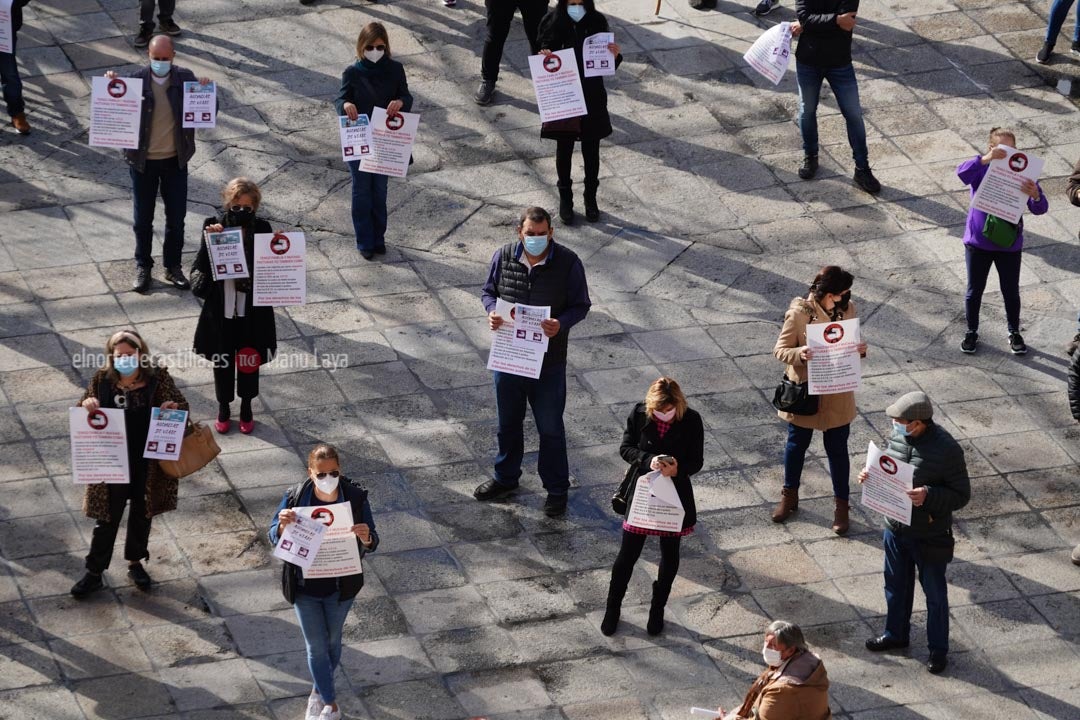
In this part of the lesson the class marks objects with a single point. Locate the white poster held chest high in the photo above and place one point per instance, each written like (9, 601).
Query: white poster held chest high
(506, 355)
(355, 137)
(999, 192)
(835, 365)
(557, 86)
(300, 542)
(166, 434)
(200, 105)
(280, 269)
(227, 258)
(115, 112)
(771, 53)
(527, 329)
(338, 555)
(598, 59)
(392, 141)
(656, 504)
(7, 29)
(98, 446)
(885, 488)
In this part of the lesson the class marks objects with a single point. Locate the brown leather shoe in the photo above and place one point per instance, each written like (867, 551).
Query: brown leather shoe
(789, 503)
(21, 125)
(840, 517)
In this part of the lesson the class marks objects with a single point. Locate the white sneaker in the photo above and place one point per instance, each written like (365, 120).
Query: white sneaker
(328, 713)
(314, 707)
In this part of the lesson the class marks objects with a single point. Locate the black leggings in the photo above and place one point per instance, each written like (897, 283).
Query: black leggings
(590, 153)
(138, 526)
(630, 551)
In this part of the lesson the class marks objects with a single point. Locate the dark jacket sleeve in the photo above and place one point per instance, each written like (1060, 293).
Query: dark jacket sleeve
(810, 19)
(344, 92)
(954, 491)
(369, 520)
(272, 533)
(548, 36)
(1073, 188)
(631, 438)
(1074, 384)
(403, 93)
(695, 445)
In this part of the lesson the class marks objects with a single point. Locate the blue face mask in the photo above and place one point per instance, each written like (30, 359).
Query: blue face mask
(160, 67)
(535, 244)
(576, 12)
(126, 364)
(901, 428)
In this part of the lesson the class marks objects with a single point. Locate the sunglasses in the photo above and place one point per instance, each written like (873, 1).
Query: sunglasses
(332, 473)
(241, 208)
(375, 47)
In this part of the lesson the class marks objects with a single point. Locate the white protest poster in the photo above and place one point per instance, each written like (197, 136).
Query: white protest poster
(999, 192)
(115, 112)
(166, 434)
(280, 277)
(227, 258)
(300, 541)
(835, 365)
(392, 141)
(886, 485)
(7, 32)
(200, 105)
(527, 319)
(355, 137)
(338, 555)
(98, 446)
(599, 61)
(656, 504)
(507, 356)
(771, 52)
(557, 86)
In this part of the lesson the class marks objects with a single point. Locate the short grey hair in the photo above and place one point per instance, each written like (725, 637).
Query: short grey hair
(787, 634)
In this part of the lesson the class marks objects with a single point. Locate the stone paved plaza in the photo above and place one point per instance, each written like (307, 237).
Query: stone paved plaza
(707, 233)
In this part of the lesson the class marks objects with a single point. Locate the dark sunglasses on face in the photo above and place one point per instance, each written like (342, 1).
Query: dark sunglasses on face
(241, 208)
(332, 473)
(375, 47)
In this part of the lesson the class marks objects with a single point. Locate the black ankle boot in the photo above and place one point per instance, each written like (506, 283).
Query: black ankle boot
(614, 610)
(592, 212)
(566, 203)
(655, 625)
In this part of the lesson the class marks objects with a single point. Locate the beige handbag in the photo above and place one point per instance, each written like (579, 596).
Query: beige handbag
(196, 452)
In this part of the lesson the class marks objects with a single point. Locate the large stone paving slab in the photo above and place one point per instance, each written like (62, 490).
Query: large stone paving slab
(493, 610)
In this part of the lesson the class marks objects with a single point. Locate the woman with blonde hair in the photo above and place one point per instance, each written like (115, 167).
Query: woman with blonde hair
(130, 381)
(234, 334)
(665, 435)
(322, 604)
(374, 80)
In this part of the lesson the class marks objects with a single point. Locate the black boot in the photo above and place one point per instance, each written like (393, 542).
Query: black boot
(614, 608)
(592, 212)
(566, 202)
(656, 610)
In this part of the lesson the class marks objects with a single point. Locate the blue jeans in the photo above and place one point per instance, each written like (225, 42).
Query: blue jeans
(846, 90)
(978, 269)
(547, 397)
(902, 557)
(1059, 10)
(836, 449)
(168, 178)
(10, 80)
(321, 620)
(368, 208)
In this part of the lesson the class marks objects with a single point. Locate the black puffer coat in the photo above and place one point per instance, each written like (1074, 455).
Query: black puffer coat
(940, 466)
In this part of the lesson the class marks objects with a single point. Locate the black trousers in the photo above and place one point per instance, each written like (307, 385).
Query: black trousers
(630, 551)
(138, 527)
(500, 14)
(590, 153)
(228, 381)
(146, 11)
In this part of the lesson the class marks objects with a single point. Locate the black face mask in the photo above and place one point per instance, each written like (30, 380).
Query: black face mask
(239, 217)
(845, 300)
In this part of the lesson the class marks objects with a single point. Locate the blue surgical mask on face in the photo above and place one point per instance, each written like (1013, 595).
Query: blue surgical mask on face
(576, 12)
(160, 67)
(126, 365)
(535, 244)
(901, 428)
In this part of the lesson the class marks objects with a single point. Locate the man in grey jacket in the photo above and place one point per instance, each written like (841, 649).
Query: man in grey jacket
(940, 488)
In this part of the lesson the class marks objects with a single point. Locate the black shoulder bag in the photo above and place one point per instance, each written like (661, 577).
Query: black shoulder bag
(795, 398)
(621, 499)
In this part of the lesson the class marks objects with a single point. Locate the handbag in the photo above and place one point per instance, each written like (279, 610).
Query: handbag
(795, 398)
(565, 129)
(621, 499)
(1000, 232)
(196, 451)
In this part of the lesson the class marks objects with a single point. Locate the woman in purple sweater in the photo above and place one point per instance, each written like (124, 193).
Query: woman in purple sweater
(982, 252)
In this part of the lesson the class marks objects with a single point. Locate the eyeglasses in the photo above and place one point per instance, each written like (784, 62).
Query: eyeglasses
(332, 473)
(375, 47)
(242, 208)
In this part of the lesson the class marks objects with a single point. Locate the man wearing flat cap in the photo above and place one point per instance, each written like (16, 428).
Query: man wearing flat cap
(940, 487)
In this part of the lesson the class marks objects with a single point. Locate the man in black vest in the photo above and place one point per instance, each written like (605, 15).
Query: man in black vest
(534, 270)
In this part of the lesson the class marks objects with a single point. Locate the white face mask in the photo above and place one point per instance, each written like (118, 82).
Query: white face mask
(327, 484)
(664, 416)
(373, 55)
(772, 657)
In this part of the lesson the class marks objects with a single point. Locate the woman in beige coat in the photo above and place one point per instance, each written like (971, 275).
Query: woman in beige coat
(829, 300)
